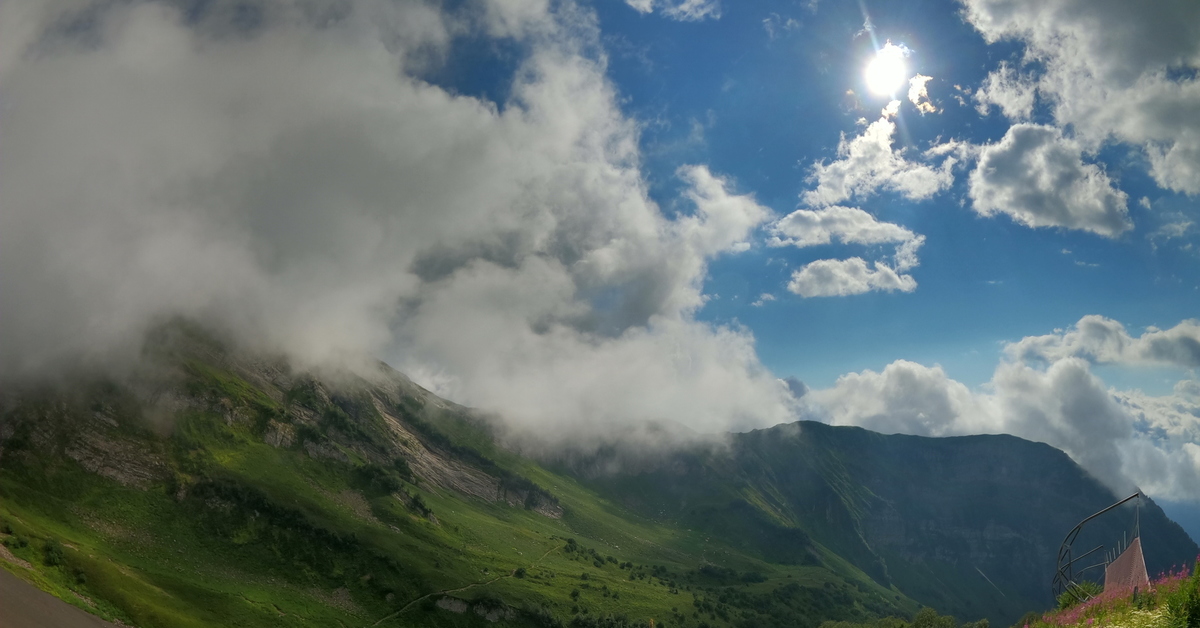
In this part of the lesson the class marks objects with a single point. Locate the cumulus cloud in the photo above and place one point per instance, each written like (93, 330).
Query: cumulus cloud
(682, 10)
(1103, 340)
(809, 227)
(1124, 438)
(1038, 177)
(918, 94)
(868, 163)
(1114, 70)
(295, 180)
(844, 277)
(1004, 88)
(849, 225)
(905, 397)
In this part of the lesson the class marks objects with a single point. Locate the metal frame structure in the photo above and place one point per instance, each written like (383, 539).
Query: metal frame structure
(1065, 573)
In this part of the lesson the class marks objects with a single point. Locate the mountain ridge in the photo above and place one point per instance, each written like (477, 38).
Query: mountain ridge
(856, 505)
(248, 492)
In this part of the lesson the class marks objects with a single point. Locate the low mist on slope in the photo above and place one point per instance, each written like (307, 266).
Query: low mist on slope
(288, 174)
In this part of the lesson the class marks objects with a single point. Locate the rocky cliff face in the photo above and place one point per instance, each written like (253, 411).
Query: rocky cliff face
(379, 417)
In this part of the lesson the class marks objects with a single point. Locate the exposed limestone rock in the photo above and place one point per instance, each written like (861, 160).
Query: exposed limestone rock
(325, 450)
(129, 462)
(279, 435)
(453, 604)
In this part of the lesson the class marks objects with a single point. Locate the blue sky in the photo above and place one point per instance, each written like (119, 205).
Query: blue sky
(761, 93)
(590, 217)
(758, 95)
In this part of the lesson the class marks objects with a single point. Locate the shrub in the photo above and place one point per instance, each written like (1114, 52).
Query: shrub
(376, 480)
(53, 553)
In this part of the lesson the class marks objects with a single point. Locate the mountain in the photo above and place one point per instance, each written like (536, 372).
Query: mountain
(969, 525)
(1187, 515)
(209, 487)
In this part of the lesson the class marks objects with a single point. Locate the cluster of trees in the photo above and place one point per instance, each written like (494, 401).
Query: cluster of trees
(924, 618)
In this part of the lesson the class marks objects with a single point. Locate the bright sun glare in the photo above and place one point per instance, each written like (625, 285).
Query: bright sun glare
(886, 73)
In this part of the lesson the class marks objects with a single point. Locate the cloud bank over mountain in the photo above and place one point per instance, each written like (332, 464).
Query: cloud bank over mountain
(1046, 391)
(287, 172)
(303, 176)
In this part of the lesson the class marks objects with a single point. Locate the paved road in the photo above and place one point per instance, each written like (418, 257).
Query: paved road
(23, 605)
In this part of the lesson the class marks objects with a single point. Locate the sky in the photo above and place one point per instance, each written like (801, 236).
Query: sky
(590, 217)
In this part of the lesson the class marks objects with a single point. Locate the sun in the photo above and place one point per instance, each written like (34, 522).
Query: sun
(887, 73)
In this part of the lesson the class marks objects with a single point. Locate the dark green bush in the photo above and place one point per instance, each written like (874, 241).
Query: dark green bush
(52, 553)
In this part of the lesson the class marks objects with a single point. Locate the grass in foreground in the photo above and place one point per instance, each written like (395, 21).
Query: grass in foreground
(1173, 601)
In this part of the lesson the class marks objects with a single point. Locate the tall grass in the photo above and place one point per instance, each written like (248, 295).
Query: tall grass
(1172, 601)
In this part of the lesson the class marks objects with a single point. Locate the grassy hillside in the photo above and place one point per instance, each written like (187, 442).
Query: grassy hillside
(222, 490)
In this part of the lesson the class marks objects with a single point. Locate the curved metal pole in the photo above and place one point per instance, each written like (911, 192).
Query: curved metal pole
(1064, 576)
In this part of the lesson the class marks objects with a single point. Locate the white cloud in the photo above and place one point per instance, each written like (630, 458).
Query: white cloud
(1037, 176)
(867, 163)
(1175, 227)
(906, 397)
(723, 221)
(918, 94)
(810, 227)
(849, 225)
(1102, 340)
(1109, 72)
(763, 299)
(1013, 93)
(844, 277)
(1122, 437)
(682, 10)
(774, 24)
(301, 187)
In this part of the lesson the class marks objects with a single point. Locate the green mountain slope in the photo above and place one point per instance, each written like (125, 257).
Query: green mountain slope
(969, 525)
(213, 489)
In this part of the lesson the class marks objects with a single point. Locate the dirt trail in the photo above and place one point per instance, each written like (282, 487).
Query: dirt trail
(23, 605)
(445, 591)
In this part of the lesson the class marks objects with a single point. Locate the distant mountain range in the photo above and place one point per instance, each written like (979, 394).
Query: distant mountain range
(213, 488)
